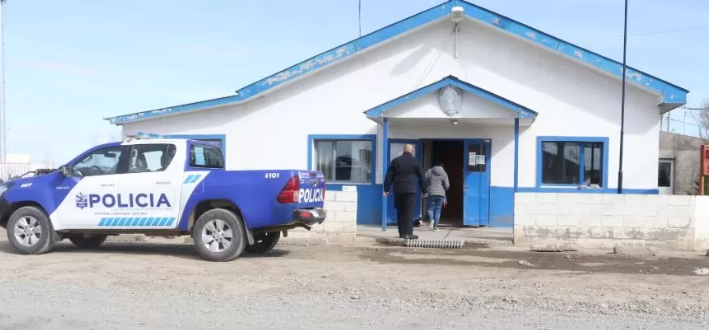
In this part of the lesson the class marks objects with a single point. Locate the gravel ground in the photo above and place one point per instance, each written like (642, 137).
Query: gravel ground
(161, 286)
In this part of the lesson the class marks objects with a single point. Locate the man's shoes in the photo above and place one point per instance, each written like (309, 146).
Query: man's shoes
(411, 237)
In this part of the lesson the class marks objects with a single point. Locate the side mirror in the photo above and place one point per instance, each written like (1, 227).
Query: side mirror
(65, 171)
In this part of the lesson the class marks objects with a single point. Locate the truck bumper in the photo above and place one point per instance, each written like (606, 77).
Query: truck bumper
(309, 217)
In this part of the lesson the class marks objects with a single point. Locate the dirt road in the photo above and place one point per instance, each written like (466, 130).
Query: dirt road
(156, 286)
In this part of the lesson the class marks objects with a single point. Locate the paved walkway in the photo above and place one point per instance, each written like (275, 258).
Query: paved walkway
(424, 232)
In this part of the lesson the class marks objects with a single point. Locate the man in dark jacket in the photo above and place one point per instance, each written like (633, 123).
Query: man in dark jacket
(402, 173)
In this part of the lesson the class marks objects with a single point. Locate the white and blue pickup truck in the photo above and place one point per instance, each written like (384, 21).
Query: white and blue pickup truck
(160, 187)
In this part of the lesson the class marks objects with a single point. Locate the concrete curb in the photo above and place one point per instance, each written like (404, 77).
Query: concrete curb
(302, 241)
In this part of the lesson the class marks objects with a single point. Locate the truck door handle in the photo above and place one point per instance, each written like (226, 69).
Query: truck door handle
(162, 182)
(108, 185)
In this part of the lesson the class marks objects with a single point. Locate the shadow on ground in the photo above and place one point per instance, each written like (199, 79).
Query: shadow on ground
(177, 250)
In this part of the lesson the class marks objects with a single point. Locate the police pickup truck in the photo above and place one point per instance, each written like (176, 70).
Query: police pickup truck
(160, 187)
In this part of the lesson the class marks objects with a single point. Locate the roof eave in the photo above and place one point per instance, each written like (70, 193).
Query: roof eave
(672, 96)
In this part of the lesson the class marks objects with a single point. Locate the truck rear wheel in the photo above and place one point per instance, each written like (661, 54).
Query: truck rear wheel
(264, 242)
(89, 242)
(30, 231)
(219, 235)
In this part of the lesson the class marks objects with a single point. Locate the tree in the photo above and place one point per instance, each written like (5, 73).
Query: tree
(701, 117)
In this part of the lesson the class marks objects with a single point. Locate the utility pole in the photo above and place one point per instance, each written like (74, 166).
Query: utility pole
(622, 104)
(3, 131)
(360, 18)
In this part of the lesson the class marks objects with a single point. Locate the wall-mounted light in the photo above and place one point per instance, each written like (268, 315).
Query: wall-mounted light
(457, 14)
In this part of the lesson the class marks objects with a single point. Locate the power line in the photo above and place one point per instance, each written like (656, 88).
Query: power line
(693, 109)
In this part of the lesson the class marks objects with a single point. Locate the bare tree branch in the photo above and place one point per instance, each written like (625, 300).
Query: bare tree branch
(701, 117)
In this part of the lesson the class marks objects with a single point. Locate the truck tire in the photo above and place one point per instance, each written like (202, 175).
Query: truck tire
(219, 235)
(90, 242)
(264, 242)
(29, 231)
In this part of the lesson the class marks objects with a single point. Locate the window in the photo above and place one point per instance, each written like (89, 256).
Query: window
(203, 155)
(151, 157)
(572, 163)
(664, 175)
(103, 161)
(345, 160)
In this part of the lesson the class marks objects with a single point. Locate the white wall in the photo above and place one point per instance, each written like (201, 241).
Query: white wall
(571, 99)
(595, 220)
(341, 222)
(473, 106)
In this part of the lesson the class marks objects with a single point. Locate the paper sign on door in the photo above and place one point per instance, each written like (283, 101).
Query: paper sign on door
(480, 160)
(471, 159)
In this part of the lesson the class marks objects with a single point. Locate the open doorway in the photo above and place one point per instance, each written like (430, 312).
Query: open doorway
(450, 154)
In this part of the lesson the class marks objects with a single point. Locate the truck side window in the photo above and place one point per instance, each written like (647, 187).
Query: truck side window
(151, 157)
(202, 155)
(102, 161)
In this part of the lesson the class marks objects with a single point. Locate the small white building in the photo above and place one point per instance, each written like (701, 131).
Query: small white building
(504, 106)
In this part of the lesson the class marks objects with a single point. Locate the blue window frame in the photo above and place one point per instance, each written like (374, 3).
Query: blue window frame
(348, 159)
(564, 161)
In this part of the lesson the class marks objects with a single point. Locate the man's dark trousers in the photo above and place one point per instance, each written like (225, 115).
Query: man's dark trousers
(404, 204)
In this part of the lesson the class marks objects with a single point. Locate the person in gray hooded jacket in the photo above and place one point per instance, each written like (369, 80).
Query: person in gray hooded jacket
(438, 184)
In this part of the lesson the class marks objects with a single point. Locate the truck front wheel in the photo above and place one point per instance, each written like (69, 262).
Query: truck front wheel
(30, 231)
(264, 242)
(219, 235)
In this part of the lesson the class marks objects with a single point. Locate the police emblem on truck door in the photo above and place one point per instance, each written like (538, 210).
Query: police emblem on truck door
(82, 201)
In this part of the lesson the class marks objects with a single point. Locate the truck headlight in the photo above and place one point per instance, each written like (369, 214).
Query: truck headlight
(3, 188)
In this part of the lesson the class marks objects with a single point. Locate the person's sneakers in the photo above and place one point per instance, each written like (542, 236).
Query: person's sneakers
(411, 237)
(430, 225)
(435, 229)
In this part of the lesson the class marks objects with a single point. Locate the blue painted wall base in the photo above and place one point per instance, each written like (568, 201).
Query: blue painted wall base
(369, 205)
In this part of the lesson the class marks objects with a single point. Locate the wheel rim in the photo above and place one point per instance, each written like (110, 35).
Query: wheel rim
(217, 235)
(28, 231)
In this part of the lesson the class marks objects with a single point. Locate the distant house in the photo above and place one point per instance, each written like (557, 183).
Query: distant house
(679, 164)
(506, 107)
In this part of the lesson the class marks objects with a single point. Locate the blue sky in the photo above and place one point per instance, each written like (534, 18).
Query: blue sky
(70, 63)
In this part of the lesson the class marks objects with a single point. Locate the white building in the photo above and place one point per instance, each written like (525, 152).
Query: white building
(526, 112)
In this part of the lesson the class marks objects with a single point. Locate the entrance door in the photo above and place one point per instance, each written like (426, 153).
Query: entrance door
(396, 148)
(665, 178)
(477, 183)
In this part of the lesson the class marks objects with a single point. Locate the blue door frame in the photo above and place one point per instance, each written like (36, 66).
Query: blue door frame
(476, 192)
(393, 153)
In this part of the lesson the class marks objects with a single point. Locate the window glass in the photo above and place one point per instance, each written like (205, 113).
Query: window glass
(103, 161)
(664, 176)
(345, 160)
(203, 155)
(325, 159)
(151, 157)
(572, 163)
(592, 163)
(560, 163)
